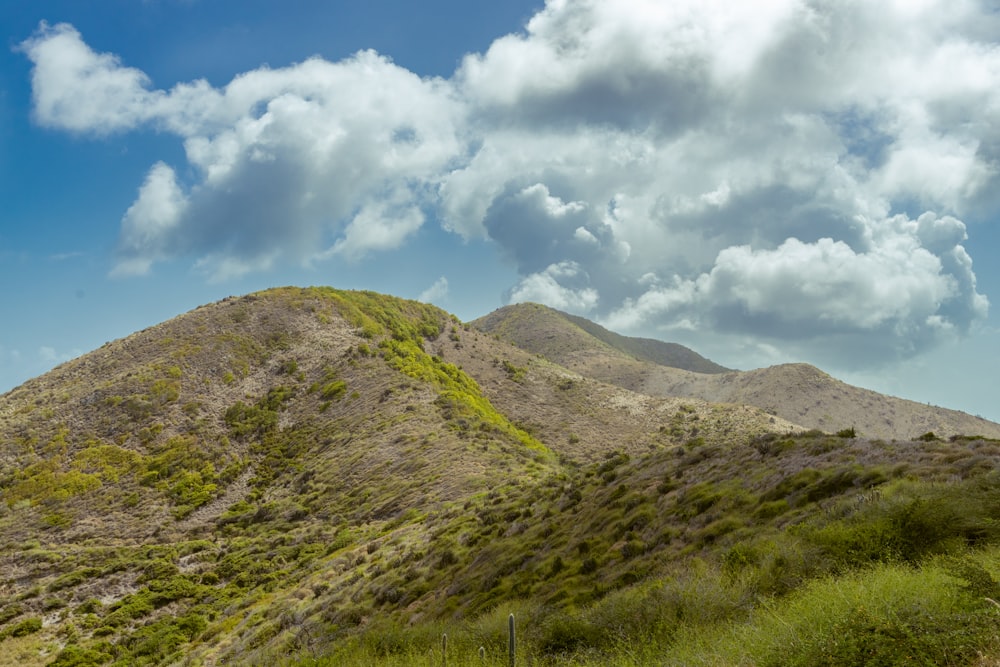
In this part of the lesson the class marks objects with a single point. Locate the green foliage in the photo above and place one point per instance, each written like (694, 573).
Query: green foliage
(246, 420)
(333, 390)
(377, 314)
(515, 373)
(107, 461)
(811, 485)
(22, 628)
(78, 656)
(458, 394)
(164, 391)
(10, 611)
(887, 616)
(40, 482)
(190, 489)
(72, 579)
(128, 609)
(912, 521)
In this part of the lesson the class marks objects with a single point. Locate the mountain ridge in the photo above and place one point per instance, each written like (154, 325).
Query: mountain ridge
(797, 392)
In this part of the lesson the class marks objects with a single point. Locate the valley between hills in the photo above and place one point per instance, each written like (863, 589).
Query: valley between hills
(325, 477)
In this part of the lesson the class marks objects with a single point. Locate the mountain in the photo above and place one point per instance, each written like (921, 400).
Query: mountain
(573, 341)
(325, 477)
(799, 393)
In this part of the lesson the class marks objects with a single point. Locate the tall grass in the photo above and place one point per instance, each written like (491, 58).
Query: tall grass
(884, 615)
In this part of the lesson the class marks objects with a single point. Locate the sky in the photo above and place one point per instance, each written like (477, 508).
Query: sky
(769, 182)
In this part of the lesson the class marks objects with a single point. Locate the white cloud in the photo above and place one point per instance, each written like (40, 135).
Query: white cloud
(895, 298)
(287, 164)
(77, 89)
(562, 286)
(49, 356)
(380, 225)
(436, 292)
(150, 224)
(789, 169)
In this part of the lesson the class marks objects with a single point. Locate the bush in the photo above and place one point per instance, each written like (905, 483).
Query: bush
(77, 656)
(332, 390)
(912, 521)
(886, 615)
(22, 629)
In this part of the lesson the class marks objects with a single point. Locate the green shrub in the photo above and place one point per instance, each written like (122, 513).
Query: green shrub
(333, 390)
(10, 611)
(77, 656)
(885, 615)
(913, 520)
(23, 628)
(771, 509)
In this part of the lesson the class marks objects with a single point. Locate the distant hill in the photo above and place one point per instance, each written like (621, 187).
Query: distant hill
(561, 337)
(799, 393)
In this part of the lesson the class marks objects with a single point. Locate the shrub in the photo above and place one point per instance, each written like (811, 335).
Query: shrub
(886, 615)
(10, 611)
(332, 390)
(77, 656)
(23, 628)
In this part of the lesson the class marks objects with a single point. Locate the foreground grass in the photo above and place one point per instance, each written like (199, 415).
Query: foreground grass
(887, 614)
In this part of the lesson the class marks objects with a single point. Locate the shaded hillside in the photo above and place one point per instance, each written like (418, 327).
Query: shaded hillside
(798, 393)
(562, 338)
(325, 454)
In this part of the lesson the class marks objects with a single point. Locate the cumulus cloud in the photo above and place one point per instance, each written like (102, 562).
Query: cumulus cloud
(562, 286)
(78, 89)
(436, 292)
(292, 164)
(50, 356)
(761, 173)
(791, 170)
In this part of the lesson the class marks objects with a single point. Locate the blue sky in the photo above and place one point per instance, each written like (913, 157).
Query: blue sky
(768, 182)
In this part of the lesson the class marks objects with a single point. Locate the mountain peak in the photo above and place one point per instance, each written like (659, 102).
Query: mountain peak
(559, 336)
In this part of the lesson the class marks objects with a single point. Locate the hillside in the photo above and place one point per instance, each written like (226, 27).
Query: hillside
(321, 477)
(331, 414)
(798, 393)
(564, 338)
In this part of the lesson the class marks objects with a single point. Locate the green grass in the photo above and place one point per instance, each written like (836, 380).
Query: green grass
(884, 615)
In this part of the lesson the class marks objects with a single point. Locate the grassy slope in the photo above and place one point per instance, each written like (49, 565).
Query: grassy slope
(324, 477)
(805, 551)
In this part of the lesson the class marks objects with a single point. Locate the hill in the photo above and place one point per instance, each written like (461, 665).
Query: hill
(562, 338)
(322, 477)
(798, 393)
